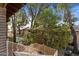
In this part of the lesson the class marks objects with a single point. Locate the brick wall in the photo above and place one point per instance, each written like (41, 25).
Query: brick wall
(3, 49)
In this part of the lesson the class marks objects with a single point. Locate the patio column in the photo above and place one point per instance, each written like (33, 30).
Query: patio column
(3, 32)
(14, 28)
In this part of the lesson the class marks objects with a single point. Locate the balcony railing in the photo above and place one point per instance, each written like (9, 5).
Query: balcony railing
(16, 49)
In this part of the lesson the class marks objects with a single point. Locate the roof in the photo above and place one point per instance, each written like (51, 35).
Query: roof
(11, 8)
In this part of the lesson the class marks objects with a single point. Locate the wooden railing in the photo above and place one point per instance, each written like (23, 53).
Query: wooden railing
(20, 49)
(12, 47)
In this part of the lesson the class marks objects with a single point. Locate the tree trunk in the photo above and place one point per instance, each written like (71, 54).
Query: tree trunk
(73, 32)
(74, 39)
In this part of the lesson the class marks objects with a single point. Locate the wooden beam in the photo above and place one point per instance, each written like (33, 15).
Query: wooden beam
(14, 28)
(11, 7)
(5, 5)
(10, 12)
(1, 5)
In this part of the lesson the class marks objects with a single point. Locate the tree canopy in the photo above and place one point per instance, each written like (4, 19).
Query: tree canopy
(46, 27)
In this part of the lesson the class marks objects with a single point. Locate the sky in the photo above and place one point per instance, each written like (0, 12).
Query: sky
(75, 11)
(73, 7)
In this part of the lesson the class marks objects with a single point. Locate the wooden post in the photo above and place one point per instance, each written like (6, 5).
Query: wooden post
(14, 28)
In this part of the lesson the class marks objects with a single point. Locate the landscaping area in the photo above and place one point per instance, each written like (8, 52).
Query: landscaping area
(43, 29)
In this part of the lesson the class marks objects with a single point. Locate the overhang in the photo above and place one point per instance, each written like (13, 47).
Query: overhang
(11, 8)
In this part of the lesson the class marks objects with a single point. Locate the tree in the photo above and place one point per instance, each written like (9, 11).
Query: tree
(69, 19)
(34, 10)
(47, 31)
(21, 19)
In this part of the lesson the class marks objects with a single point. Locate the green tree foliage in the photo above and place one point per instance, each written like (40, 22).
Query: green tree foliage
(46, 30)
(21, 19)
(70, 19)
(35, 10)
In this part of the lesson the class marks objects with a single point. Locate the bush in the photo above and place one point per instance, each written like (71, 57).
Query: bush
(57, 38)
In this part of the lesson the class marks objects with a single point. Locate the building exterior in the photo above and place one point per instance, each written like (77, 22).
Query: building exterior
(3, 31)
(6, 10)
